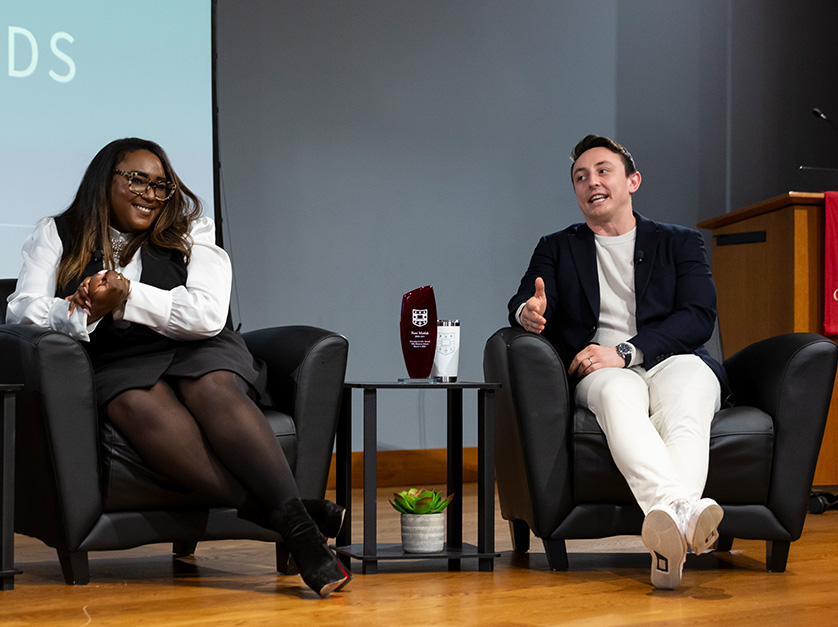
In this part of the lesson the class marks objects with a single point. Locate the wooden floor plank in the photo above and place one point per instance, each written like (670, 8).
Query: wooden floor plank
(234, 583)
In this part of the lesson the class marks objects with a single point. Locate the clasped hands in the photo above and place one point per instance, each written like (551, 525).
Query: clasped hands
(591, 358)
(100, 294)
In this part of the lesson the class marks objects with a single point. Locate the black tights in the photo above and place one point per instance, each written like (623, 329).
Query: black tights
(207, 435)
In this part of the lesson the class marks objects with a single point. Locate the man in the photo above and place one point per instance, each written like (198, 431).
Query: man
(629, 303)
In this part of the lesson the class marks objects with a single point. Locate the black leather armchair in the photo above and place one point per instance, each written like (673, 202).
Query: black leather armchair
(556, 477)
(80, 486)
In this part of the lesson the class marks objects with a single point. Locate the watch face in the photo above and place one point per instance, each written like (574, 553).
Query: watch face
(624, 351)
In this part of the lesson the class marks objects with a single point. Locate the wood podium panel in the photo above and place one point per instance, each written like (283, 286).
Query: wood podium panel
(768, 267)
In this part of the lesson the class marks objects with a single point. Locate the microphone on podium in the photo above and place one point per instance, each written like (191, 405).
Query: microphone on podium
(814, 179)
(820, 114)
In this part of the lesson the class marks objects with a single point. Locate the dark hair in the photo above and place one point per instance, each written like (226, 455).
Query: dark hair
(598, 141)
(89, 213)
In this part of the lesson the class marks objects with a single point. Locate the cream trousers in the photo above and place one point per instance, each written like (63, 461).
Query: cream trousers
(657, 424)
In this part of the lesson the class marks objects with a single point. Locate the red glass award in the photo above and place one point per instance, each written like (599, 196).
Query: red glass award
(418, 331)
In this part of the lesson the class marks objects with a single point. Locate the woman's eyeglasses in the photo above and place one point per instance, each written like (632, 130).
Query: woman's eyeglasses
(139, 183)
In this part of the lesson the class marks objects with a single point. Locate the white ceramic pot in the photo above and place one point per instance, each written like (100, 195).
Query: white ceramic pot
(423, 533)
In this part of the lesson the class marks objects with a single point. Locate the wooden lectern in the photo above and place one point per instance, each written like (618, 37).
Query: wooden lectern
(768, 266)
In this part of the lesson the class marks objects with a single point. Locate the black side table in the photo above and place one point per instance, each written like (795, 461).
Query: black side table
(370, 552)
(7, 500)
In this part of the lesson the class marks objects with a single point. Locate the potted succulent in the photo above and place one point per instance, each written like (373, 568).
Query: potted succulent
(423, 519)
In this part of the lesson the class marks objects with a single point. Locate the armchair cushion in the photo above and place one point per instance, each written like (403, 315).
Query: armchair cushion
(741, 454)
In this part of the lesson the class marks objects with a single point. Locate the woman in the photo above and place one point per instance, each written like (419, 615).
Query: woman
(132, 270)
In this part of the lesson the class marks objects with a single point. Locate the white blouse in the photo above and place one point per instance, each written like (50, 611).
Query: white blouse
(188, 312)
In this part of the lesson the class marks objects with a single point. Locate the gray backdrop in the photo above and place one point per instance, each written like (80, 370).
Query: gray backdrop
(374, 146)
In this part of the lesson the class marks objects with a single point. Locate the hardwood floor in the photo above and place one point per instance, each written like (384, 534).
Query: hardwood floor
(234, 583)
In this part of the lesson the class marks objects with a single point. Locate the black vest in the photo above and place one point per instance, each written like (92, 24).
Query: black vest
(162, 268)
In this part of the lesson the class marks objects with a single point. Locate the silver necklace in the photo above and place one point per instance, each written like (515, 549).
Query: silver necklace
(118, 244)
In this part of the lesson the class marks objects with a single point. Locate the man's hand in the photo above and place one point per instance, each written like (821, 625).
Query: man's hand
(532, 315)
(593, 357)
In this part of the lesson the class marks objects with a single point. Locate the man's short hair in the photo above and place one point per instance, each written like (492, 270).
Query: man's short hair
(598, 141)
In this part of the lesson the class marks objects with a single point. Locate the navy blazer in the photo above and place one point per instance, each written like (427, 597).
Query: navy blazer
(674, 291)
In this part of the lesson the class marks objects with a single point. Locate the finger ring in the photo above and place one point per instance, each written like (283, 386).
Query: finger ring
(118, 277)
(591, 360)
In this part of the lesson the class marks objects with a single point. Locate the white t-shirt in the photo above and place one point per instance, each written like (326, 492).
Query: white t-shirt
(617, 304)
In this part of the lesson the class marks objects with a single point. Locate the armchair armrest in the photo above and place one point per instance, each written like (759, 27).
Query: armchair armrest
(790, 377)
(306, 367)
(532, 428)
(57, 467)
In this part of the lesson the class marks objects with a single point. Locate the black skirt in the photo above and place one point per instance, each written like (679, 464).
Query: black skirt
(184, 359)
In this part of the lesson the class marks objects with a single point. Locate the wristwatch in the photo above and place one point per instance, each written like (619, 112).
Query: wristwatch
(625, 351)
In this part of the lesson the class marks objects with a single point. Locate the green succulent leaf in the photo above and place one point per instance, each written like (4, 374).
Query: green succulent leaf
(399, 507)
(423, 505)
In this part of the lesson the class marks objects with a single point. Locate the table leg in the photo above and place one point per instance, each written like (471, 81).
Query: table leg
(343, 472)
(7, 499)
(370, 479)
(455, 474)
(486, 477)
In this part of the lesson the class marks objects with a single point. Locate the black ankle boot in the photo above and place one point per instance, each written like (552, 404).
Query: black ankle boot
(327, 516)
(318, 566)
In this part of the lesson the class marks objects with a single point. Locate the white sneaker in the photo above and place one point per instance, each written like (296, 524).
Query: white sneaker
(665, 540)
(701, 529)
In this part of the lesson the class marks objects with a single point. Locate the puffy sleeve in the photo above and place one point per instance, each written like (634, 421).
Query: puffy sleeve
(192, 311)
(34, 301)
